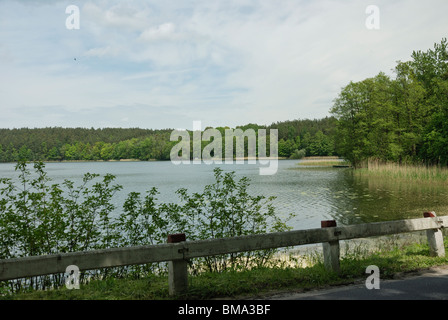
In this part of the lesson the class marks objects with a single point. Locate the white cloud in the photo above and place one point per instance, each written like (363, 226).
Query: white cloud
(222, 62)
(119, 16)
(165, 31)
(100, 52)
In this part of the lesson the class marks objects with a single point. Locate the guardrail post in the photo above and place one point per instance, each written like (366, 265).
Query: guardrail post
(331, 249)
(435, 238)
(177, 269)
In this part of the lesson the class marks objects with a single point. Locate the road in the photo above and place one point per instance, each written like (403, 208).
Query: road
(431, 284)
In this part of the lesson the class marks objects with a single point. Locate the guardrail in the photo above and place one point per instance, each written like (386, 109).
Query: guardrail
(177, 251)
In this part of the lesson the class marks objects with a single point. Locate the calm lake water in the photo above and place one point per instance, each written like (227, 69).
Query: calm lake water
(312, 193)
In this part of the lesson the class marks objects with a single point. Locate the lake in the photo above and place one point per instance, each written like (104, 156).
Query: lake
(312, 193)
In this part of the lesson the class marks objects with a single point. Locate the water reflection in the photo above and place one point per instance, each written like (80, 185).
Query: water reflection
(350, 198)
(359, 198)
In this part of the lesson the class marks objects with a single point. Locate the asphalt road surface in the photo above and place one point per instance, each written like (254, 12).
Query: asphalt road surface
(430, 284)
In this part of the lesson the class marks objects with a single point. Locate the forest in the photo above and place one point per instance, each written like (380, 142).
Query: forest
(297, 138)
(402, 119)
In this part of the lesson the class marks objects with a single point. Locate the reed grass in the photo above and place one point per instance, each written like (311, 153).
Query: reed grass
(323, 163)
(411, 172)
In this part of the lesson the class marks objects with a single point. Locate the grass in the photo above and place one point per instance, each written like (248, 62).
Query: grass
(416, 173)
(323, 163)
(301, 273)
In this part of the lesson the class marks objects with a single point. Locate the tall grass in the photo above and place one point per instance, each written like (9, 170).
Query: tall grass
(412, 172)
(324, 163)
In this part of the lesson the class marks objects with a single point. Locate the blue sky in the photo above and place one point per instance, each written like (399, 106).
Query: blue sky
(164, 64)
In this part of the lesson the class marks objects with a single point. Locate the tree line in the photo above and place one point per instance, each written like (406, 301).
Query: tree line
(403, 119)
(297, 138)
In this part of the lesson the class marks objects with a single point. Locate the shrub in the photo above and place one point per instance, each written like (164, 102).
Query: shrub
(298, 154)
(37, 218)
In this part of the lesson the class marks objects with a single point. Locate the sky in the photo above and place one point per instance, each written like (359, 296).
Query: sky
(164, 64)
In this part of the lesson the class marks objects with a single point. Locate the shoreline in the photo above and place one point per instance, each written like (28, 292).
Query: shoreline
(311, 158)
(137, 160)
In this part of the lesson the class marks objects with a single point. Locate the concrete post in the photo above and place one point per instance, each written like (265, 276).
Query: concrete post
(435, 238)
(331, 249)
(177, 269)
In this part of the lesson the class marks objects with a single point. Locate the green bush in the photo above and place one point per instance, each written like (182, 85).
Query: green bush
(298, 154)
(37, 219)
(223, 209)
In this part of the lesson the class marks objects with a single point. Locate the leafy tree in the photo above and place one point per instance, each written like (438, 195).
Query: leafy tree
(401, 119)
(351, 110)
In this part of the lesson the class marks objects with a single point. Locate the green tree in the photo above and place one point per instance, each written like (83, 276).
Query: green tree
(53, 154)
(431, 68)
(107, 151)
(286, 148)
(401, 119)
(25, 154)
(354, 122)
(320, 145)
